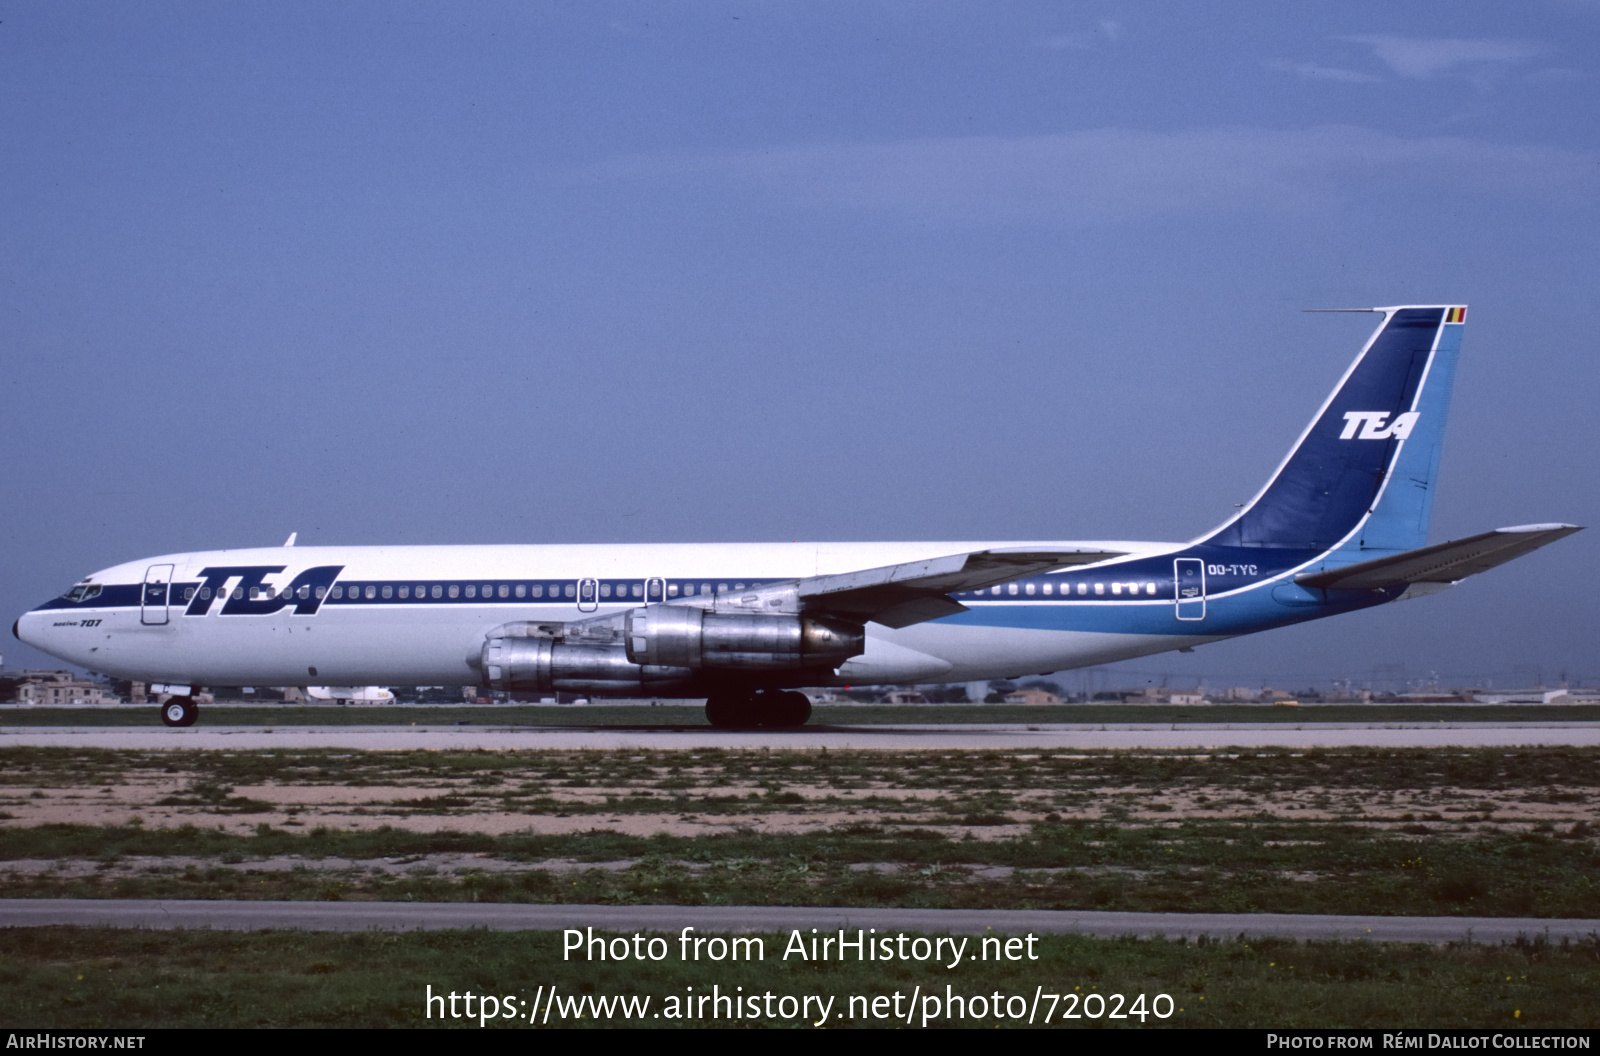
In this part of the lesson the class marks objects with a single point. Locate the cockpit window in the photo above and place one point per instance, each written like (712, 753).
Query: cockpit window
(83, 592)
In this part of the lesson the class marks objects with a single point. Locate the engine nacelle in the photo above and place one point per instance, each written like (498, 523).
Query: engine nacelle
(544, 665)
(679, 636)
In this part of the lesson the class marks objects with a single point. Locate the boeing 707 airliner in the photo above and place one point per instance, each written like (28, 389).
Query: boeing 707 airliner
(1340, 526)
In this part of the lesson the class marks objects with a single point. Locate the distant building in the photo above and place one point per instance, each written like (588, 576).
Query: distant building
(1031, 696)
(1162, 695)
(52, 688)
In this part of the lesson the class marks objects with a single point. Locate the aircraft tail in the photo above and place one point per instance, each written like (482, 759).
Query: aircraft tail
(1362, 475)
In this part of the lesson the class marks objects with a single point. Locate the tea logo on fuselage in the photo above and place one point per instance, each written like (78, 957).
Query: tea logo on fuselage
(250, 597)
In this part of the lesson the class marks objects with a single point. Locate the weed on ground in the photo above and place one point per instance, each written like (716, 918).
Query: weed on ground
(1444, 831)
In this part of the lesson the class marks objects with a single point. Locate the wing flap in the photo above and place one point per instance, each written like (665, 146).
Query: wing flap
(901, 595)
(1443, 563)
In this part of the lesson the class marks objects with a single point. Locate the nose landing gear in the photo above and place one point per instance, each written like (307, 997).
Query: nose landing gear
(179, 711)
(763, 707)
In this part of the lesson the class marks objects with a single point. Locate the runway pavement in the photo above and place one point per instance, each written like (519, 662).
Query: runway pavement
(940, 737)
(409, 916)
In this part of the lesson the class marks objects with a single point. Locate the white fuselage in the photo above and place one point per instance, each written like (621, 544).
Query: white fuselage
(383, 638)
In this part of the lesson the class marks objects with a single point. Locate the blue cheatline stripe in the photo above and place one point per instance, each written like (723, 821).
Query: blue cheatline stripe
(1143, 580)
(418, 591)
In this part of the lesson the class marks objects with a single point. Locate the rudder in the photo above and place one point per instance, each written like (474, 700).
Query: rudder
(1370, 456)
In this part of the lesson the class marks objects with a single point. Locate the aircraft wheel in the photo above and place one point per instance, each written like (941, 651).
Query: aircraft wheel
(789, 708)
(726, 710)
(179, 711)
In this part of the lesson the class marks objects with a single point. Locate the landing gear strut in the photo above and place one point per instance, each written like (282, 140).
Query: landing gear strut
(179, 711)
(762, 707)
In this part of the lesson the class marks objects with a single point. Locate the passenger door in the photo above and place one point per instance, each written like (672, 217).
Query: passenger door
(153, 600)
(1189, 577)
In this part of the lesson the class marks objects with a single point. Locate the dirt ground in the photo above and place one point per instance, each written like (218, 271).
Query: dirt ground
(638, 807)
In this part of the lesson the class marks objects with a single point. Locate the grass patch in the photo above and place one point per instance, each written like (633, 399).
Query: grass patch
(1221, 868)
(100, 977)
(1495, 832)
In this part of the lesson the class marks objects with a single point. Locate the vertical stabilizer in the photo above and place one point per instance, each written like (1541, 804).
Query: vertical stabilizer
(1363, 472)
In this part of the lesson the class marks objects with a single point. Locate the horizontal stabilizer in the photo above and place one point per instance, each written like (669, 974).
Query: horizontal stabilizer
(1444, 563)
(901, 595)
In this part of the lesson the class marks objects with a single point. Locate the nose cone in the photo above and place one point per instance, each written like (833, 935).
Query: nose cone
(51, 630)
(33, 628)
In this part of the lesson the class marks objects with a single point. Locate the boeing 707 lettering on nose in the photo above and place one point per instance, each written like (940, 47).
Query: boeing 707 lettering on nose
(1340, 526)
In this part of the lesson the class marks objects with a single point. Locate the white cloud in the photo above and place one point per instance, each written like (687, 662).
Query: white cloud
(1116, 174)
(1315, 72)
(1419, 58)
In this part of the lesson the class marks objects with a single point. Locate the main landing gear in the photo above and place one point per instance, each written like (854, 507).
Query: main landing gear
(762, 707)
(179, 711)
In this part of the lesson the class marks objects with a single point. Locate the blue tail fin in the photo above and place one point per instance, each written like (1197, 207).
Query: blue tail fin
(1362, 475)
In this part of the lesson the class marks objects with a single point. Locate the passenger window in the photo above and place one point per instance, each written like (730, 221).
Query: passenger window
(638, 590)
(521, 590)
(569, 590)
(472, 590)
(1083, 588)
(305, 592)
(438, 591)
(605, 590)
(1099, 588)
(538, 590)
(388, 592)
(371, 593)
(672, 590)
(1030, 588)
(455, 590)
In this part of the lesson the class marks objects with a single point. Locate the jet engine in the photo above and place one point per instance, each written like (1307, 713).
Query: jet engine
(660, 648)
(681, 636)
(545, 665)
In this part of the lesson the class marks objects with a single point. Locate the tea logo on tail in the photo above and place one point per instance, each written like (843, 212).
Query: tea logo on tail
(1374, 425)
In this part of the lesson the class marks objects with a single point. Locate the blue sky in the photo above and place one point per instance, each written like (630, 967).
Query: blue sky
(572, 272)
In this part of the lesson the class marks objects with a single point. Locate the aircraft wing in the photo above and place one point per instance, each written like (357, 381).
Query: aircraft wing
(901, 595)
(1444, 563)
